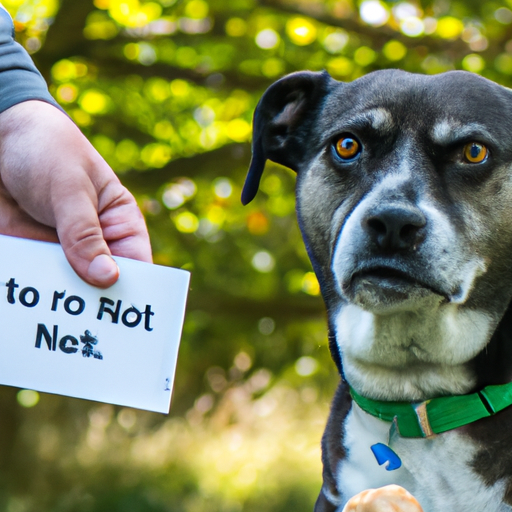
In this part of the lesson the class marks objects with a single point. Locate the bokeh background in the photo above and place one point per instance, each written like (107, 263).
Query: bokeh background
(165, 90)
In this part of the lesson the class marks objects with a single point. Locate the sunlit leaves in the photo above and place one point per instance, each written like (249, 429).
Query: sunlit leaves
(142, 52)
(236, 27)
(267, 39)
(94, 102)
(126, 152)
(394, 50)
(301, 31)
(28, 398)
(374, 12)
(238, 130)
(66, 69)
(31, 20)
(177, 193)
(503, 15)
(132, 13)
(165, 90)
(281, 43)
(335, 40)
(412, 26)
(310, 284)
(156, 155)
(196, 9)
(186, 222)
(183, 118)
(364, 56)
(340, 67)
(100, 26)
(257, 223)
(66, 93)
(449, 27)
(222, 188)
(503, 63)
(306, 366)
(473, 62)
(148, 18)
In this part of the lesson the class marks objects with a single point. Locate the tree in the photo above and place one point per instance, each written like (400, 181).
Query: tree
(165, 90)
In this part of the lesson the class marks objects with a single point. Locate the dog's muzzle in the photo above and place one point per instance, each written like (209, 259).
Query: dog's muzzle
(392, 254)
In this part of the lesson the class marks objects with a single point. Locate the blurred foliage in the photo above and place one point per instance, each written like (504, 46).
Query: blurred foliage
(165, 90)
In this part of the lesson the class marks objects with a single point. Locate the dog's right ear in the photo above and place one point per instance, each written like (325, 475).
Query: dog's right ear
(278, 123)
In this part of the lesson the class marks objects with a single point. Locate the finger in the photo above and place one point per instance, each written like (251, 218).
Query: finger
(90, 238)
(81, 237)
(123, 224)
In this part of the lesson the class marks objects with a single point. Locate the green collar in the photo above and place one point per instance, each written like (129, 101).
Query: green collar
(425, 419)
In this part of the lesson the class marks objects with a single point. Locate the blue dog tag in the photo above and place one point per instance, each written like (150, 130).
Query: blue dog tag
(385, 455)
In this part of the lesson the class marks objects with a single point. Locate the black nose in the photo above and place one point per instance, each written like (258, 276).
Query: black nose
(395, 227)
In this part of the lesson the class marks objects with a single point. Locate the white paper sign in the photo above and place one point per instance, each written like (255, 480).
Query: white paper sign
(60, 335)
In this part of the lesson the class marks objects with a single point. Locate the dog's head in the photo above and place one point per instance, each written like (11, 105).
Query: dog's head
(404, 198)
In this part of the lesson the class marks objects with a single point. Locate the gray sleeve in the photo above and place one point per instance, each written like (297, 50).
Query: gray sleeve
(19, 78)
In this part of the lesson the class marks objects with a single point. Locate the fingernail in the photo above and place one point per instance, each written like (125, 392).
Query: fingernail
(103, 269)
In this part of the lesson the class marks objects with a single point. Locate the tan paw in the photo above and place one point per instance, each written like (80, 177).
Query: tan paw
(391, 498)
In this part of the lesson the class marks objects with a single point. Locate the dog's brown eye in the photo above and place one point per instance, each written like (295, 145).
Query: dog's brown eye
(347, 148)
(475, 153)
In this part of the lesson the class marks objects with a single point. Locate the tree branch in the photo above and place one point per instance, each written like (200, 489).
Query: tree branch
(289, 307)
(227, 158)
(65, 35)
(379, 35)
(111, 67)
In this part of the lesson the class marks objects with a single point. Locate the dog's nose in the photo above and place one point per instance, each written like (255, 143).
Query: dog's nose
(395, 227)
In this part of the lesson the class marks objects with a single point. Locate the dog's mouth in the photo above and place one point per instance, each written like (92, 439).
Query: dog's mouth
(392, 281)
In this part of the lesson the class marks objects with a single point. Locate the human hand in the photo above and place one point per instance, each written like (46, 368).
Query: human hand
(54, 186)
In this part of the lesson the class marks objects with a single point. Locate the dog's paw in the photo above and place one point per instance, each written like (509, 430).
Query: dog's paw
(391, 498)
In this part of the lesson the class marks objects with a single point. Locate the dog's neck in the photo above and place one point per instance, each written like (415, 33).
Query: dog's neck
(412, 355)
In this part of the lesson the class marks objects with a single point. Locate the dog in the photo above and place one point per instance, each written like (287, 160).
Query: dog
(404, 201)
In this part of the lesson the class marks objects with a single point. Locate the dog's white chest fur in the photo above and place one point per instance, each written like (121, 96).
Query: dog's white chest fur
(436, 471)
(410, 355)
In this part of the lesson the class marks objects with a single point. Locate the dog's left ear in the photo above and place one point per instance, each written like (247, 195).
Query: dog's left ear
(278, 123)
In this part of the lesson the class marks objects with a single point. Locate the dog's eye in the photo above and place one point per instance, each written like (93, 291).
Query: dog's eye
(475, 153)
(347, 147)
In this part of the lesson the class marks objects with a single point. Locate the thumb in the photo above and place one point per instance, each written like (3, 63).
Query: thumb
(102, 272)
(80, 234)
